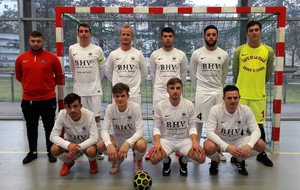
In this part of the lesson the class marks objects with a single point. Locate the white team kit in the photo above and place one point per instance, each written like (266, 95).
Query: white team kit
(208, 72)
(224, 128)
(88, 67)
(126, 126)
(163, 66)
(175, 125)
(83, 132)
(128, 67)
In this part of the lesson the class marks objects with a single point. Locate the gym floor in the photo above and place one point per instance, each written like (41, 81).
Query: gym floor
(42, 175)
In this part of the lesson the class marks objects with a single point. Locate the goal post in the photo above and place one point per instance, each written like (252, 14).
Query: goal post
(278, 11)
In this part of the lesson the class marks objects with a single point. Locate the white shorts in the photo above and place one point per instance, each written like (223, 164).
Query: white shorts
(240, 142)
(203, 104)
(178, 145)
(158, 96)
(92, 103)
(120, 140)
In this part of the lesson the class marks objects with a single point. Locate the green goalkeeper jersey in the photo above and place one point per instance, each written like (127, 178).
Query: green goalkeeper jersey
(252, 68)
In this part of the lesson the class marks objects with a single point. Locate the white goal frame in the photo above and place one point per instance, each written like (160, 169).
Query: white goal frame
(280, 11)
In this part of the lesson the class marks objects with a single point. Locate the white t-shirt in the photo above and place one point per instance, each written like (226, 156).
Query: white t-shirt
(128, 124)
(163, 66)
(224, 125)
(83, 132)
(174, 122)
(208, 70)
(128, 67)
(88, 67)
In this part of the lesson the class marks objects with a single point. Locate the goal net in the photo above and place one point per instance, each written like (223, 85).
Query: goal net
(188, 23)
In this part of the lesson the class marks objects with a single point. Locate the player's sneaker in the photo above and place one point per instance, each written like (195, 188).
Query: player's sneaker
(178, 154)
(30, 157)
(138, 166)
(166, 171)
(147, 156)
(51, 158)
(263, 158)
(183, 167)
(213, 169)
(65, 170)
(93, 167)
(100, 156)
(241, 166)
(221, 157)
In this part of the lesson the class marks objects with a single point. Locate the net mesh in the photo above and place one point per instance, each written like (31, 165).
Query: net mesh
(188, 37)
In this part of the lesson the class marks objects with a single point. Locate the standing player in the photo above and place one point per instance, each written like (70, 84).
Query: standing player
(208, 72)
(165, 63)
(39, 71)
(88, 68)
(252, 68)
(80, 134)
(227, 128)
(175, 130)
(124, 118)
(127, 65)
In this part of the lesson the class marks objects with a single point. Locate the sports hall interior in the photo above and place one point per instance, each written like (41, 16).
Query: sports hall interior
(19, 17)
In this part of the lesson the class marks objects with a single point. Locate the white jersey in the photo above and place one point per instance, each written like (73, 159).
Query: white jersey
(224, 125)
(174, 122)
(208, 70)
(128, 67)
(83, 132)
(128, 124)
(88, 67)
(165, 65)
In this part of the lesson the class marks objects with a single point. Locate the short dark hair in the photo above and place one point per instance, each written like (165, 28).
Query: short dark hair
(120, 87)
(230, 88)
(70, 98)
(173, 81)
(167, 29)
(210, 27)
(85, 25)
(36, 34)
(252, 23)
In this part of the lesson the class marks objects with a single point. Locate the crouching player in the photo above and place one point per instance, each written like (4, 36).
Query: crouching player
(227, 130)
(81, 134)
(124, 117)
(175, 130)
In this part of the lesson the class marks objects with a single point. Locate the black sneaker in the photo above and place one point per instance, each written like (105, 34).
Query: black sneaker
(241, 166)
(51, 158)
(183, 167)
(263, 158)
(213, 169)
(30, 157)
(167, 168)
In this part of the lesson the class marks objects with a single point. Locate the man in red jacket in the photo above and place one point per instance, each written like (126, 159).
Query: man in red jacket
(39, 71)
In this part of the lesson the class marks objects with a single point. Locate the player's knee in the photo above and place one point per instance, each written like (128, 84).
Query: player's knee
(209, 147)
(260, 146)
(54, 150)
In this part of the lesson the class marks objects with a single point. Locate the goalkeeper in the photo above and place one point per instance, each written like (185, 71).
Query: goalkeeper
(252, 68)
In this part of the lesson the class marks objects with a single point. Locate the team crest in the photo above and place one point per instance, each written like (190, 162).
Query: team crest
(183, 114)
(83, 128)
(129, 117)
(132, 58)
(219, 58)
(173, 58)
(43, 61)
(90, 54)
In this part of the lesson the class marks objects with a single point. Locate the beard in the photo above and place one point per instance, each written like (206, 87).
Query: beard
(209, 44)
